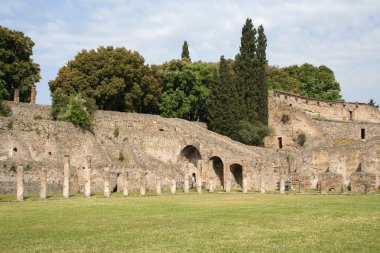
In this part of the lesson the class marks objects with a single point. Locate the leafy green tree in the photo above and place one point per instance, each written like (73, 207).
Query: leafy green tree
(222, 112)
(185, 89)
(279, 79)
(115, 78)
(185, 52)
(74, 108)
(317, 82)
(18, 71)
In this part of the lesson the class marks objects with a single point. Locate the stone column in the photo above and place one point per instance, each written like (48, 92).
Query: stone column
(20, 183)
(186, 184)
(142, 183)
(16, 95)
(107, 178)
(282, 179)
(199, 177)
(125, 184)
(301, 188)
(211, 185)
(66, 176)
(244, 176)
(173, 186)
(158, 185)
(33, 94)
(262, 177)
(87, 177)
(43, 183)
(227, 177)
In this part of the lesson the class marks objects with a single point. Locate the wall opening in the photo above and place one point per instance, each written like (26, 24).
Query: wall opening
(362, 133)
(217, 171)
(279, 142)
(14, 151)
(192, 154)
(193, 180)
(350, 115)
(237, 176)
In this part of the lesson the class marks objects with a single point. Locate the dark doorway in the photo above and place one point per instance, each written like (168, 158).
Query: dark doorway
(237, 176)
(350, 115)
(362, 132)
(279, 142)
(218, 171)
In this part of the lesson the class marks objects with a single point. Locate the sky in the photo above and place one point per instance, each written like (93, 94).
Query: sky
(343, 35)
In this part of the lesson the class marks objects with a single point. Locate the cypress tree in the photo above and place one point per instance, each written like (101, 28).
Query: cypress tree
(246, 72)
(185, 51)
(262, 89)
(221, 111)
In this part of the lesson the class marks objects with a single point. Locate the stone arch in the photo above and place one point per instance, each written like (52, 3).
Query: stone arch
(192, 154)
(236, 176)
(217, 171)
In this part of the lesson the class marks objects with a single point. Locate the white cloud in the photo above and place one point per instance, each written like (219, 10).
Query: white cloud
(343, 35)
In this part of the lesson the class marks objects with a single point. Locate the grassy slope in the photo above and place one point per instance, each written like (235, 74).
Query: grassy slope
(193, 223)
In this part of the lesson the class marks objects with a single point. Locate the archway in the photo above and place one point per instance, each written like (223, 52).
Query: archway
(236, 176)
(217, 171)
(192, 154)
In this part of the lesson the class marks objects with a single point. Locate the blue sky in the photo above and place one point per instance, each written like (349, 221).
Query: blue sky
(343, 35)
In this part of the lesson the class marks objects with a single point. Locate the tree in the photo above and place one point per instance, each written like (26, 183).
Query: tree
(115, 78)
(185, 89)
(185, 51)
(18, 71)
(373, 103)
(317, 82)
(222, 113)
(278, 79)
(251, 87)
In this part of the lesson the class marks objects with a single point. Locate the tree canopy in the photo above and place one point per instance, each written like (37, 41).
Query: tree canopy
(185, 88)
(17, 69)
(316, 82)
(185, 52)
(116, 78)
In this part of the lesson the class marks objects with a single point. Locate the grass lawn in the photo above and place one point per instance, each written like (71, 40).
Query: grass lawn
(193, 223)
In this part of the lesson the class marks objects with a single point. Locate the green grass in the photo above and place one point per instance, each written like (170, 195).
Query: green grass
(193, 223)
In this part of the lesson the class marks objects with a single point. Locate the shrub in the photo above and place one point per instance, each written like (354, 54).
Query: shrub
(121, 156)
(252, 134)
(116, 132)
(301, 139)
(10, 125)
(38, 117)
(75, 109)
(285, 118)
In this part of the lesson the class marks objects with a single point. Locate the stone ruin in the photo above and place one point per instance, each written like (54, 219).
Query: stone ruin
(151, 153)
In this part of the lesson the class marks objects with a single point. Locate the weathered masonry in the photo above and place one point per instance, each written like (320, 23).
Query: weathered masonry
(340, 151)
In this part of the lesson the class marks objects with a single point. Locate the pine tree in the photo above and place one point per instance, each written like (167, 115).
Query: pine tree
(185, 52)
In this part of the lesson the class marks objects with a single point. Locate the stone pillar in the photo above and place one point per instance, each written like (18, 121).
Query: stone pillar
(199, 177)
(301, 188)
(107, 178)
(158, 185)
(16, 95)
(142, 183)
(173, 187)
(125, 184)
(323, 186)
(227, 177)
(20, 183)
(66, 176)
(244, 175)
(368, 188)
(186, 184)
(282, 179)
(211, 185)
(43, 183)
(262, 177)
(87, 177)
(33, 94)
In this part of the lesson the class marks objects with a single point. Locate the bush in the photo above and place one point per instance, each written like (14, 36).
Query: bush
(301, 139)
(252, 134)
(121, 157)
(285, 118)
(75, 109)
(116, 132)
